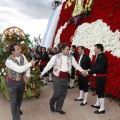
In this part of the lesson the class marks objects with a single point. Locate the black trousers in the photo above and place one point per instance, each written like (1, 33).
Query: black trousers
(100, 86)
(73, 73)
(83, 83)
(51, 70)
(41, 69)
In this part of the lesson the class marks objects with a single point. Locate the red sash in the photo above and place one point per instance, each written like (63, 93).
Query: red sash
(62, 75)
(101, 75)
(79, 72)
(11, 80)
(43, 63)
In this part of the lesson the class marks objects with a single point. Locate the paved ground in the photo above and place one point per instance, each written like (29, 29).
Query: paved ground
(38, 109)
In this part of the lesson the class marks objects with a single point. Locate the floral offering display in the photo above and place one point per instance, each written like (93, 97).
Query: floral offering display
(9, 36)
(34, 84)
(101, 26)
(16, 35)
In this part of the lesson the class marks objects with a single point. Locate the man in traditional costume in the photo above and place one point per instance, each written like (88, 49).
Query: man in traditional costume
(16, 65)
(72, 77)
(99, 70)
(85, 62)
(44, 59)
(62, 64)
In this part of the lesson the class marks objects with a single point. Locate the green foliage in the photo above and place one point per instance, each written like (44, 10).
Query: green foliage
(35, 82)
(16, 35)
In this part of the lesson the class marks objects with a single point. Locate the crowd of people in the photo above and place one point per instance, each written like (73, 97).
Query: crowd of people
(43, 55)
(58, 65)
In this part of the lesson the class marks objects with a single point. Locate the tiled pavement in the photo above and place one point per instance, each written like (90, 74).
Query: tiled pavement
(38, 109)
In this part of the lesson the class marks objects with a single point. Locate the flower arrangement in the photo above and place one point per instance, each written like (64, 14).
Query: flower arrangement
(9, 36)
(3, 72)
(16, 35)
(57, 37)
(97, 32)
(34, 83)
(102, 26)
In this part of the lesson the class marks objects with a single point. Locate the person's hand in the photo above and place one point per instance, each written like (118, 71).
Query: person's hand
(41, 76)
(28, 77)
(33, 62)
(85, 73)
(50, 56)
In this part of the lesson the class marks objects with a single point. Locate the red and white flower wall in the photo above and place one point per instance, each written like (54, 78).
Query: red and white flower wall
(102, 26)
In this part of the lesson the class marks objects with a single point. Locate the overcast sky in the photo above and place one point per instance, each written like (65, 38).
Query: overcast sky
(30, 15)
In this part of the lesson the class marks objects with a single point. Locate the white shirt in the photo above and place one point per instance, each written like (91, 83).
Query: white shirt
(80, 59)
(64, 67)
(20, 69)
(79, 2)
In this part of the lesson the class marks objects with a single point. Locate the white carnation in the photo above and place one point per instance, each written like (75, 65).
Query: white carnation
(33, 69)
(2, 70)
(4, 73)
(97, 32)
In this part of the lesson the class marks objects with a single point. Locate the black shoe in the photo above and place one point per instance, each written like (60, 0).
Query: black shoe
(21, 112)
(70, 87)
(76, 82)
(61, 112)
(98, 107)
(82, 104)
(99, 112)
(44, 83)
(52, 108)
(49, 80)
(78, 99)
